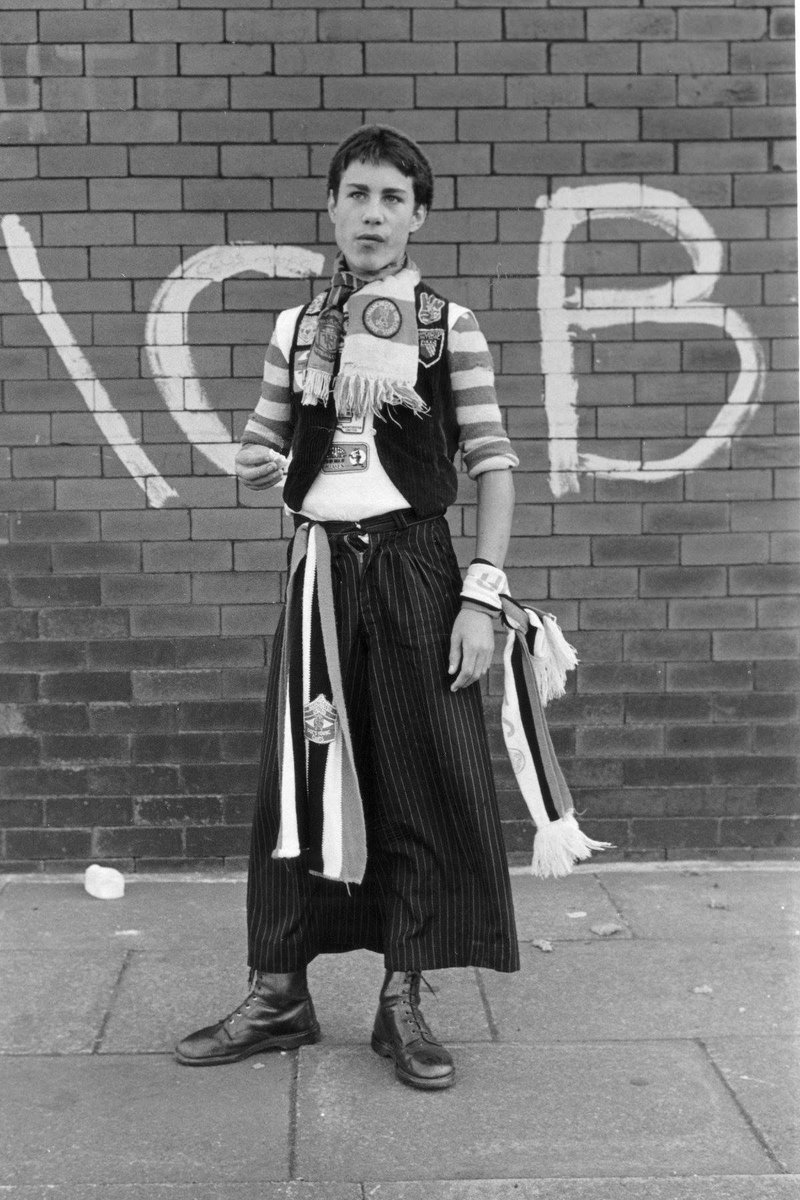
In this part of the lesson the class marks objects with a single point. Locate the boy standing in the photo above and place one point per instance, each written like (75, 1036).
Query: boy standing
(376, 821)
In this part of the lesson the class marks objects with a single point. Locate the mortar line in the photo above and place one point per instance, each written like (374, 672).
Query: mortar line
(487, 1008)
(101, 1033)
(748, 1120)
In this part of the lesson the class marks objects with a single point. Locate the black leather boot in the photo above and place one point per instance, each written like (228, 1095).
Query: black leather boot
(277, 1015)
(401, 1033)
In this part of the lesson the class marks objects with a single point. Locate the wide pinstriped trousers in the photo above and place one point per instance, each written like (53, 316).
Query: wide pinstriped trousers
(436, 892)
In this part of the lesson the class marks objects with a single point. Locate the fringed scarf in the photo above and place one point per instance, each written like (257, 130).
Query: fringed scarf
(370, 329)
(536, 660)
(321, 807)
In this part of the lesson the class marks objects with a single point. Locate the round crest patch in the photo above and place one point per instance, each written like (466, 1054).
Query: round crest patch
(382, 318)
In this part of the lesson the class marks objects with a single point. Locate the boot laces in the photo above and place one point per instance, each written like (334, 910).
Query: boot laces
(409, 1002)
(230, 1018)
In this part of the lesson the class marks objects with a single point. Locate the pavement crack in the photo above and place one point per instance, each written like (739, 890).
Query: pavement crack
(293, 1122)
(746, 1117)
(101, 1033)
(487, 1008)
(620, 915)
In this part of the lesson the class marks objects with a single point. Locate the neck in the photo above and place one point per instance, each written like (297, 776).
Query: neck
(370, 276)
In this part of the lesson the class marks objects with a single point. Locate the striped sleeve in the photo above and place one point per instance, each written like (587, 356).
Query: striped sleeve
(271, 423)
(482, 439)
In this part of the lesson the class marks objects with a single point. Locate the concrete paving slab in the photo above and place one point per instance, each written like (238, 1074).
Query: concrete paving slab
(56, 1002)
(729, 1187)
(259, 1190)
(522, 1112)
(638, 989)
(174, 913)
(764, 1074)
(713, 905)
(143, 1119)
(345, 988)
(162, 998)
(561, 909)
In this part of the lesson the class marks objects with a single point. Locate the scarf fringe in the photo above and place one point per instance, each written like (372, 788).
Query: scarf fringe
(558, 845)
(316, 386)
(358, 395)
(552, 662)
(361, 394)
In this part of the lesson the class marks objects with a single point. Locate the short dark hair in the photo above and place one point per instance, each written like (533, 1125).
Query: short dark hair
(381, 143)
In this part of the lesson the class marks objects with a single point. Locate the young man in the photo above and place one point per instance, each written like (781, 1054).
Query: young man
(376, 821)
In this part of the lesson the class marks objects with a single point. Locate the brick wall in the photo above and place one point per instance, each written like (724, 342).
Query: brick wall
(645, 347)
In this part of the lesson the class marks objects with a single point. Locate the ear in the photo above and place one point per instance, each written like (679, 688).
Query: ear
(331, 206)
(418, 218)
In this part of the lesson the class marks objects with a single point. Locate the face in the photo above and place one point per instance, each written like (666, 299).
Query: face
(374, 215)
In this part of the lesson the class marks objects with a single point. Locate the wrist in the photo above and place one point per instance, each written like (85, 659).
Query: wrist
(484, 583)
(476, 607)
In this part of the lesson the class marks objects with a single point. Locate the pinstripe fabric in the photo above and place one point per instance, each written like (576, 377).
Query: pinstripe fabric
(436, 892)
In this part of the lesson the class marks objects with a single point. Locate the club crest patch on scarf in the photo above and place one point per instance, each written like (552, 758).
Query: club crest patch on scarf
(329, 334)
(320, 721)
(430, 309)
(431, 346)
(382, 318)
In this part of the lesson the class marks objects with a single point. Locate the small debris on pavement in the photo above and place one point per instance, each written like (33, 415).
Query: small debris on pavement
(703, 990)
(543, 944)
(607, 928)
(718, 902)
(577, 913)
(104, 883)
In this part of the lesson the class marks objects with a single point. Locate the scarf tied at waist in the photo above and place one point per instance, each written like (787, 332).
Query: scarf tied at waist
(322, 813)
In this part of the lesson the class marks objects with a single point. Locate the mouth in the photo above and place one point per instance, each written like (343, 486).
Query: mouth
(370, 239)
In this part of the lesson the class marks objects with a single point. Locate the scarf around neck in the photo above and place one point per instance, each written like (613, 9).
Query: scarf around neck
(366, 348)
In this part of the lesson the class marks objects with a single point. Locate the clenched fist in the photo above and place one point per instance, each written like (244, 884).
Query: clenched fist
(259, 467)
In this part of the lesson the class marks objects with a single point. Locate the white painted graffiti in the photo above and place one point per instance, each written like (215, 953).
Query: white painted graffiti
(113, 426)
(166, 339)
(683, 300)
(680, 301)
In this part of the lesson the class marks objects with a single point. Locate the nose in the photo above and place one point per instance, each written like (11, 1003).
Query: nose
(372, 212)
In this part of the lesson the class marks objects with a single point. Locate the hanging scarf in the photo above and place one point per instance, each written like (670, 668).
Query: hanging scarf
(536, 660)
(368, 328)
(321, 806)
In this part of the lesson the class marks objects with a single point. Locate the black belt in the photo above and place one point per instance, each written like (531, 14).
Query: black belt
(399, 518)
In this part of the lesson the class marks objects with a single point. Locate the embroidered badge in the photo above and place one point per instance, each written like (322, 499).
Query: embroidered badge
(320, 721)
(301, 358)
(306, 330)
(431, 345)
(430, 309)
(346, 456)
(329, 334)
(382, 318)
(347, 423)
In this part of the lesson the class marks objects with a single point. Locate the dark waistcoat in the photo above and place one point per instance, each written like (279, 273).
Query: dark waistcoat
(416, 452)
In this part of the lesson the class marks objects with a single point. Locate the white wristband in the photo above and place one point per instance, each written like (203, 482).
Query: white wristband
(484, 583)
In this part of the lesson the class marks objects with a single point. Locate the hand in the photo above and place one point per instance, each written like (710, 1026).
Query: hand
(471, 647)
(259, 467)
